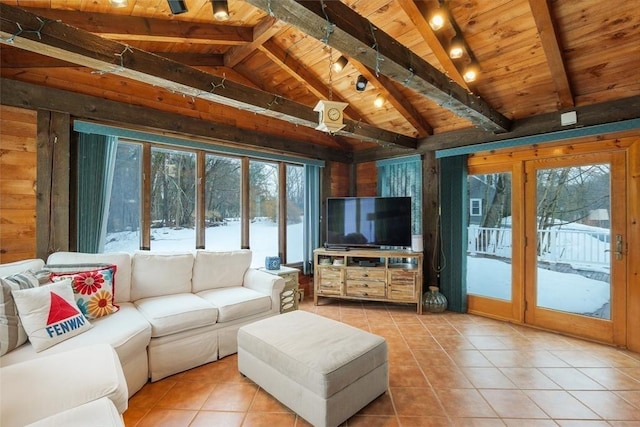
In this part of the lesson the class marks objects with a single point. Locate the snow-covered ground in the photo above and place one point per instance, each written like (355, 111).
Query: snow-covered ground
(560, 291)
(263, 240)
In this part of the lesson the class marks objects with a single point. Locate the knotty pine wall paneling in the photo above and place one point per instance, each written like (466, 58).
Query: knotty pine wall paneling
(18, 169)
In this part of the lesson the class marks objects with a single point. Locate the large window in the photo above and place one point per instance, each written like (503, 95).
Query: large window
(173, 199)
(124, 221)
(222, 202)
(193, 199)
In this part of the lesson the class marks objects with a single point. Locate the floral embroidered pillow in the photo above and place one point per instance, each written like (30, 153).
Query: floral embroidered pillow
(93, 286)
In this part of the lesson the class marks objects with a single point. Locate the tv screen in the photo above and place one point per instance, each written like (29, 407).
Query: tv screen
(368, 221)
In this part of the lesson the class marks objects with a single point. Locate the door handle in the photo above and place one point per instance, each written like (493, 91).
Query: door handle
(618, 250)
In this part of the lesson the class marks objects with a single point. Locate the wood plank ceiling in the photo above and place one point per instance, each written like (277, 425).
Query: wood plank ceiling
(272, 60)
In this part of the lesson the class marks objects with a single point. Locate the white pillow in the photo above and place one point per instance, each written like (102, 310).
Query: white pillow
(154, 274)
(220, 269)
(49, 314)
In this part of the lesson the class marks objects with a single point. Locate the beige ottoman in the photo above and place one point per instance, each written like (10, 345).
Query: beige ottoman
(323, 370)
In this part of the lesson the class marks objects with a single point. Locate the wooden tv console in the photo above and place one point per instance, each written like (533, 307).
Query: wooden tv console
(368, 274)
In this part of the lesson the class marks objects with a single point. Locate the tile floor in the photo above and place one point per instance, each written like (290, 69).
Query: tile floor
(445, 370)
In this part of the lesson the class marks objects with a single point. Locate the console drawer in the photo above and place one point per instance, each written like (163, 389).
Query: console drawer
(366, 288)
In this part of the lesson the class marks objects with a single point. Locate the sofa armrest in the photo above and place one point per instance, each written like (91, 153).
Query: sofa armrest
(42, 387)
(268, 284)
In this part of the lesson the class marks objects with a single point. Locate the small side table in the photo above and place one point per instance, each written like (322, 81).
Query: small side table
(290, 294)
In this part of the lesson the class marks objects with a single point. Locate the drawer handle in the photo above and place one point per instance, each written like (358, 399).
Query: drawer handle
(365, 275)
(366, 285)
(365, 294)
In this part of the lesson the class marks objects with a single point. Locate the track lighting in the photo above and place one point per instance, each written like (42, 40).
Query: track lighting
(379, 101)
(119, 3)
(177, 6)
(437, 19)
(471, 72)
(220, 10)
(340, 64)
(456, 50)
(361, 83)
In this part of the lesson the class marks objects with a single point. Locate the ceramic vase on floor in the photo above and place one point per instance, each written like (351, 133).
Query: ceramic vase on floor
(433, 301)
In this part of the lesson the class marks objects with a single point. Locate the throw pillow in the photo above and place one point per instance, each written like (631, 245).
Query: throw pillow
(12, 334)
(49, 314)
(93, 286)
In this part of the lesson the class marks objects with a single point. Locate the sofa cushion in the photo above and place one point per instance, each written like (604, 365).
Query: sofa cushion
(59, 382)
(219, 269)
(12, 333)
(121, 259)
(170, 314)
(93, 286)
(154, 274)
(101, 412)
(49, 314)
(127, 331)
(15, 267)
(236, 302)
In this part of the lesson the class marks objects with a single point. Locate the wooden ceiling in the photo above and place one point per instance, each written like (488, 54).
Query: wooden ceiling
(271, 59)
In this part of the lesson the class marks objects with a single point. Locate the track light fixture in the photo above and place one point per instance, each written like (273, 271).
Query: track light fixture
(119, 3)
(379, 101)
(437, 19)
(361, 83)
(340, 64)
(220, 10)
(471, 72)
(456, 50)
(177, 6)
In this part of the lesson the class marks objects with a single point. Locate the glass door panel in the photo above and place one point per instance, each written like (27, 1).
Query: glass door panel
(494, 236)
(573, 239)
(489, 236)
(575, 278)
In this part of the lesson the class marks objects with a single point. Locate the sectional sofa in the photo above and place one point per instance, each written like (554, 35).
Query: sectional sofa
(175, 311)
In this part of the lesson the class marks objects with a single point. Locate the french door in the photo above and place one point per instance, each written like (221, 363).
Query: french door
(546, 243)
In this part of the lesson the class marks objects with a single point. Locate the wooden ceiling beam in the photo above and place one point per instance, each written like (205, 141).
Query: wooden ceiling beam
(266, 28)
(27, 95)
(417, 12)
(302, 73)
(24, 30)
(357, 38)
(122, 27)
(18, 58)
(396, 98)
(553, 52)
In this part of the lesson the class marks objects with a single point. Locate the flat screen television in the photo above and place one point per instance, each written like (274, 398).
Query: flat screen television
(368, 221)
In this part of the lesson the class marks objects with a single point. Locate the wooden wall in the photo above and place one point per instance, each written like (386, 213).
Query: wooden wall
(366, 179)
(18, 135)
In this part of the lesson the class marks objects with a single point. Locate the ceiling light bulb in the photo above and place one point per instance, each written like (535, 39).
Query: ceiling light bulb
(361, 83)
(379, 102)
(220, 10)
(119, 3)
(340, 64)
(437, 20)
(471, 73)
(456, 50)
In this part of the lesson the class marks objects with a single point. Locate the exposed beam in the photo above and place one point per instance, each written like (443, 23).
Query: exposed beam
(302, 73)
(396, 98)
(356, 37)
(417, 12)
(27, 95)
(588, 115)
(262, 32)
(552, 50)
(52, 38)
(123, 27)
(18, 58)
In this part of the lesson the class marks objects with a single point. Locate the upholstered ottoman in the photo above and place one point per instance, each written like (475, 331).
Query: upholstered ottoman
(323, 370)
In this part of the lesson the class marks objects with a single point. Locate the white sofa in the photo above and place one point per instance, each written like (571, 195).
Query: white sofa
(177, 310)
